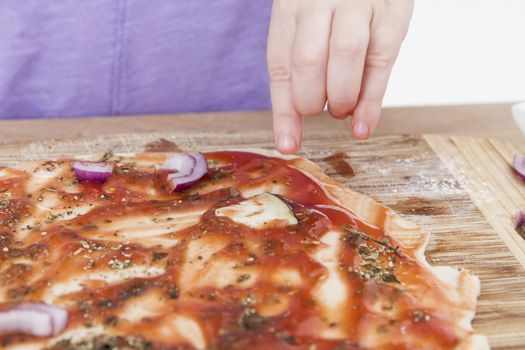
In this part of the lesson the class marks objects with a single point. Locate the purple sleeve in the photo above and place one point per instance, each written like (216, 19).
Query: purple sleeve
(100, 57)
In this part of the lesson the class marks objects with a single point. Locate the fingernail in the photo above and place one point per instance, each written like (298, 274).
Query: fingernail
(286, 144)
(360, 129)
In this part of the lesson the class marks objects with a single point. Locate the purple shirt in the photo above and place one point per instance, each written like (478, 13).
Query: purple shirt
(62, 58)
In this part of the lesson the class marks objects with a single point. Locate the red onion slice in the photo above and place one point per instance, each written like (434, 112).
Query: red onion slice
(35, 319)
(519, 223)
(58, 315)
(92, 171)
(27, 322)
(190, 167)
(181, 163)
(519, 165)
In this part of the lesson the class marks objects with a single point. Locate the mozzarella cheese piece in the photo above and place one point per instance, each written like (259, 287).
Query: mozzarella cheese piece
(261, 211)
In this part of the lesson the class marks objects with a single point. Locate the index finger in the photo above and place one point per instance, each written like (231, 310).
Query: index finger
(287, 122)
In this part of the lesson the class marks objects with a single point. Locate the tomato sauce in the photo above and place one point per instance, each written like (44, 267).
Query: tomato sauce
(392, 299)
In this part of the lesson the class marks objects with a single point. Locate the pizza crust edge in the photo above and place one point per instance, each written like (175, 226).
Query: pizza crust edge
(459, 282)
(464, 286)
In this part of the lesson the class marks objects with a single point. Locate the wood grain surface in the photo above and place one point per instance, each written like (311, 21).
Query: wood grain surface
(484, 168)
(435, 181)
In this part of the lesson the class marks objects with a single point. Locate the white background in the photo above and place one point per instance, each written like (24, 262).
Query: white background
(461, 51)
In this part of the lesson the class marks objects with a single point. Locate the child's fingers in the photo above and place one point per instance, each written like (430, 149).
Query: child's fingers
(287, 122)
(310, 57)
(387, 32)
(348, 46)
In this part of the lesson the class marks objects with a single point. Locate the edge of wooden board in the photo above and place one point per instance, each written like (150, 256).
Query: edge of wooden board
(500, 309)
(483, 167)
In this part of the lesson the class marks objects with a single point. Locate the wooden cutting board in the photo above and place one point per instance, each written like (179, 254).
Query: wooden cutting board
(462, 190)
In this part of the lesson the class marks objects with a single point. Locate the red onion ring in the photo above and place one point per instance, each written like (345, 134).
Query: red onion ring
(185, 169)
(181, 163)
(519, 165)
(519, 223)
(58, 315)
(36, 319)
(92, 171)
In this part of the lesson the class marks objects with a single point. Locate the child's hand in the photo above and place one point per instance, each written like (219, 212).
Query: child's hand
(340, 51)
